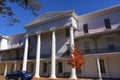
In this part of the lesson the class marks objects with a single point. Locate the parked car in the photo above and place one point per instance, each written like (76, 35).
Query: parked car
(19, 75)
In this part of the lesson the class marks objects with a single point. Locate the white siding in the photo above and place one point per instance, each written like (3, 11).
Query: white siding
(96, 24)
(4, 43)
(90, 67)
(114, 66)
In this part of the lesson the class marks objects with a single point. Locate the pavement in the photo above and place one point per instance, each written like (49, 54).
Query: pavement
(2, 78)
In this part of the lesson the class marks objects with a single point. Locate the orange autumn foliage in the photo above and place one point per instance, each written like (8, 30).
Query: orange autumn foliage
(76, 60)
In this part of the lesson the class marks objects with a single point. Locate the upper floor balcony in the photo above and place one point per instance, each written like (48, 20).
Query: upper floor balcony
(33, 57)
(101, 50)
(15, 45)
(96, 33)
(67, 53)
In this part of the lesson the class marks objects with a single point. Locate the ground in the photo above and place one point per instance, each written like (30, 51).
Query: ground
(60, 79)
(43, 78)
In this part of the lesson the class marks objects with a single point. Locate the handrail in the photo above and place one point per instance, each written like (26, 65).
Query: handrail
(101, 50)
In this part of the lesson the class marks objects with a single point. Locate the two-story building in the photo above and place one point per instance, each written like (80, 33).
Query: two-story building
(45, 46)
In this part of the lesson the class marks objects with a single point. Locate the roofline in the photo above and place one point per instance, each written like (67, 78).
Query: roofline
(17, 35)
(72, 13)
(102, 11)
(5, 37)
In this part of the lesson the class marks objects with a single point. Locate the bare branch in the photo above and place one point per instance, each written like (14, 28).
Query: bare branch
(6, 10)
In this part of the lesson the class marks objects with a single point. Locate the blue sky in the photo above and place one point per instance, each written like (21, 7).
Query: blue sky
(79, 6)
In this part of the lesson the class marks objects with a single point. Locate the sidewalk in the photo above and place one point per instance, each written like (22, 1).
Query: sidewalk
(42, 78)
(63, 79)
(2, 77)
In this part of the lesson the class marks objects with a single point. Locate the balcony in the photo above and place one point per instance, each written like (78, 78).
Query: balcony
(67, 53)
(11, 59)
(101, 50)
(16, 45)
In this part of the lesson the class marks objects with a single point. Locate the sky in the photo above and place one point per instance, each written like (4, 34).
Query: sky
(80, 7)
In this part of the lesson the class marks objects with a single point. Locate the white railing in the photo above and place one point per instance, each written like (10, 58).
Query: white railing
(15, 45)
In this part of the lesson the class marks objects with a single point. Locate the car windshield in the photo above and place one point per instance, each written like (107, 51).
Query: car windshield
(16, 72)
(24, 71)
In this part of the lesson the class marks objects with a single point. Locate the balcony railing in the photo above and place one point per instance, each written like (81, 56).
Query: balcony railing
(67, 53)
(46, 55)
(11, 59)
(101, 50)
(15, 45)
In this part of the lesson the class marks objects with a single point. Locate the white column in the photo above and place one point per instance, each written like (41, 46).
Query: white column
(73, 70)
(99, 71)
(53, 62)
(15, 66)
(37, 69)
(25, 54)
(5, 70)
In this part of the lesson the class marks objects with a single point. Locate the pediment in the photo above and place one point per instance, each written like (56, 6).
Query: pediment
(48, 16)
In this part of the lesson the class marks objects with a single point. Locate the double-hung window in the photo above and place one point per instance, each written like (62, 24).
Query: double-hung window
(102, 66)
(110, 44)
(44, 67)
(85, 28)
(60, 68)
(107, 23)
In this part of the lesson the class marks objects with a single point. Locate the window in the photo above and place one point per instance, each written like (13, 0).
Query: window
(85, 28)
(20, 41)
(11, 44)
(102, 66)
(44, 67)
(50, 35)
(60, 68)
(17, 54)
(78, 71)
(68, 46)
(21, 66)
(9, 56)
(28, 54)
(87, 47)
(31, 67)
(110, 44)
(67, 32)
(107, 23)
(29, 41)
(12, 67)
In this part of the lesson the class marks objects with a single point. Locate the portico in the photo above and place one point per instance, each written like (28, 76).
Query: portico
(53, 52)
(39, 28)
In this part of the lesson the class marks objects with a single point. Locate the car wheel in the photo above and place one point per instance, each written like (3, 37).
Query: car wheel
(19, 78)
(7, 78)
(24, 79)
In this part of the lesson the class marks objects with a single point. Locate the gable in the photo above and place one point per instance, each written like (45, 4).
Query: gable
(48, 16)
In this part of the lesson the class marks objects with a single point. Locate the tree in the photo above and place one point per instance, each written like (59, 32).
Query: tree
(6, 10)
(76, 60)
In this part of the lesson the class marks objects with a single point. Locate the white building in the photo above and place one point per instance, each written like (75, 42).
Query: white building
(44, 48)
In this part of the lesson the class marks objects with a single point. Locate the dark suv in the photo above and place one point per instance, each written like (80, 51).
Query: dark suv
(19, 75)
